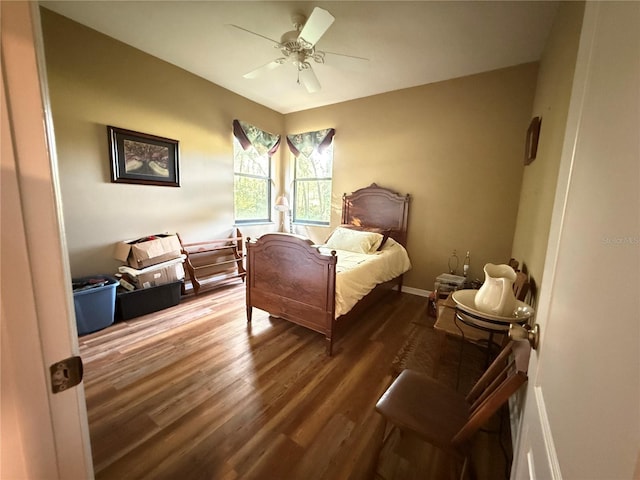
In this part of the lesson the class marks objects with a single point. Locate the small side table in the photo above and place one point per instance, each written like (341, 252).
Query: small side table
(447, 325)
(462, 320)
(491, 324)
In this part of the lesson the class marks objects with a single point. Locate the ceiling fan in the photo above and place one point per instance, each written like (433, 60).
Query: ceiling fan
(298, 47)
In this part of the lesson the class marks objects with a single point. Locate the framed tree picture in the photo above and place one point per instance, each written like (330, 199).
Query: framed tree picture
(142, 158)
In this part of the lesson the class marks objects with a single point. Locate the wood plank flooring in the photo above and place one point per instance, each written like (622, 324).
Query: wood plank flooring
(194, 392)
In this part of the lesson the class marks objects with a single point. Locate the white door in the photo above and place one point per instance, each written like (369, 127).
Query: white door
(43, 435)
(582, 414)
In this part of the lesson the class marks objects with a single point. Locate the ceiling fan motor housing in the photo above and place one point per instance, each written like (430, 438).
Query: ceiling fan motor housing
(298, 50)
(289, 42)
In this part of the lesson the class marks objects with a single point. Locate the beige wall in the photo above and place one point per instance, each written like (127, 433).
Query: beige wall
(551, 102)
(455, 146)
(96, 81)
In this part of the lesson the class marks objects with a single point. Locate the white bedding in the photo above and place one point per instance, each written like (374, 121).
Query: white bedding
(358, 273)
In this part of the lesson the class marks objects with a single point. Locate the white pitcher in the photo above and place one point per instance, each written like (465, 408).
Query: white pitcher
(496, 295)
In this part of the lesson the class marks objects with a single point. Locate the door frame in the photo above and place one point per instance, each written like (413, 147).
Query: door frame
(534, 414)
(44, 435)
(591, 342)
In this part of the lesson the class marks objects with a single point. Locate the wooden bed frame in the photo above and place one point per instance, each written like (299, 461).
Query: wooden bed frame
(289, 278)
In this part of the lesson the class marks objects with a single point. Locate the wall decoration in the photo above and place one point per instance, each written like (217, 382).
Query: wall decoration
(141, 158)
(531, 143)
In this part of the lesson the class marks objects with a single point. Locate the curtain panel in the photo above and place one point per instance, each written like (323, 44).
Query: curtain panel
(249, 135)
(308, 142)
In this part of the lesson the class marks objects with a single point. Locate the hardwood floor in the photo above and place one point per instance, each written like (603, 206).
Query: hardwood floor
(193, 392)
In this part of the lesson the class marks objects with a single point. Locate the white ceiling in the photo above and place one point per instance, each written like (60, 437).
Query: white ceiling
(408, 43)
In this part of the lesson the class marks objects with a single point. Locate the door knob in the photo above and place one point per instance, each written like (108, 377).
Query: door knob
(521, 333)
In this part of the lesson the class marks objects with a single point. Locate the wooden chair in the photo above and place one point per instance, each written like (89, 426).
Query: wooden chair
(521, 286)
(446, 419)
(446, 325)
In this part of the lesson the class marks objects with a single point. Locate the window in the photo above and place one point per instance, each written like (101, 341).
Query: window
(313, 171)
(252, 151)
(252, 184)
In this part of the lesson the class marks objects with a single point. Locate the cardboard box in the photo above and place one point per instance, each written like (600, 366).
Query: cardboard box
(161, 276)
(148, 251)
(156, 275)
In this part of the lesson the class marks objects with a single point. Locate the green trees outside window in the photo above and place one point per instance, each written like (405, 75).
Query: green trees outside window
(252, 184)
(313, 172)
(312, 187)
(252, 150)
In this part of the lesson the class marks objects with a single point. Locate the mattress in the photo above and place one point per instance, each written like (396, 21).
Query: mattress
(358, 273)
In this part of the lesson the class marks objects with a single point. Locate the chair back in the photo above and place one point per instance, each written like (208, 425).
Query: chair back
(521, 286)
(506, 374)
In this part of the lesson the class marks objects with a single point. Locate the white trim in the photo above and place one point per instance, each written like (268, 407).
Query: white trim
(530, 465)
(552, 457)
(416, 291)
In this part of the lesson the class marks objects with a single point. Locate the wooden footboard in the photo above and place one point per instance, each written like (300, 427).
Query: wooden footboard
(289, 278)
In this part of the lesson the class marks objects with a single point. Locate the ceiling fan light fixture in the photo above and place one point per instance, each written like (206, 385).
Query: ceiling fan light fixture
(303, 66)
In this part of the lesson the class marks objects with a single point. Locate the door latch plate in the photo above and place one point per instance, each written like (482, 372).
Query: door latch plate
(65, 374)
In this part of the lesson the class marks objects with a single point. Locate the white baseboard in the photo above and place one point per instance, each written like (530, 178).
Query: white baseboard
(416, 291)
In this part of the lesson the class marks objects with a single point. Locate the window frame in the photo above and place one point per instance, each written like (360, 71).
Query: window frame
(296, 181)
(268, 179)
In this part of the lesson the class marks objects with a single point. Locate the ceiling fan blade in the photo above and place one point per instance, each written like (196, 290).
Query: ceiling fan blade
(317, 24)
(264, 68)
(349, 62)
(252, 33)
(309, 80)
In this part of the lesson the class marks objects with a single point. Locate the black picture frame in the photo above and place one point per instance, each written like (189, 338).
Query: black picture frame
(531, 142)
(142, 158)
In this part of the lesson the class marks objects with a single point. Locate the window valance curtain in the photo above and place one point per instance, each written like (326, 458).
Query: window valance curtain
(249, 135)
(309, 142)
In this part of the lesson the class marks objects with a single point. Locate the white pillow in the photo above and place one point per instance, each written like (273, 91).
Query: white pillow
(354, 240)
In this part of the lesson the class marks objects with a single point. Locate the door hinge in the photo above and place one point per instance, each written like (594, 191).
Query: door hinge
(65, 374)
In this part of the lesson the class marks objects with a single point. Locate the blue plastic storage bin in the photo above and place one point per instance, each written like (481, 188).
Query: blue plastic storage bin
(94, 298)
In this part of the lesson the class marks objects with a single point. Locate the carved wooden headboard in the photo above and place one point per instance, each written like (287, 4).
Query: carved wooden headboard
(378, 207)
